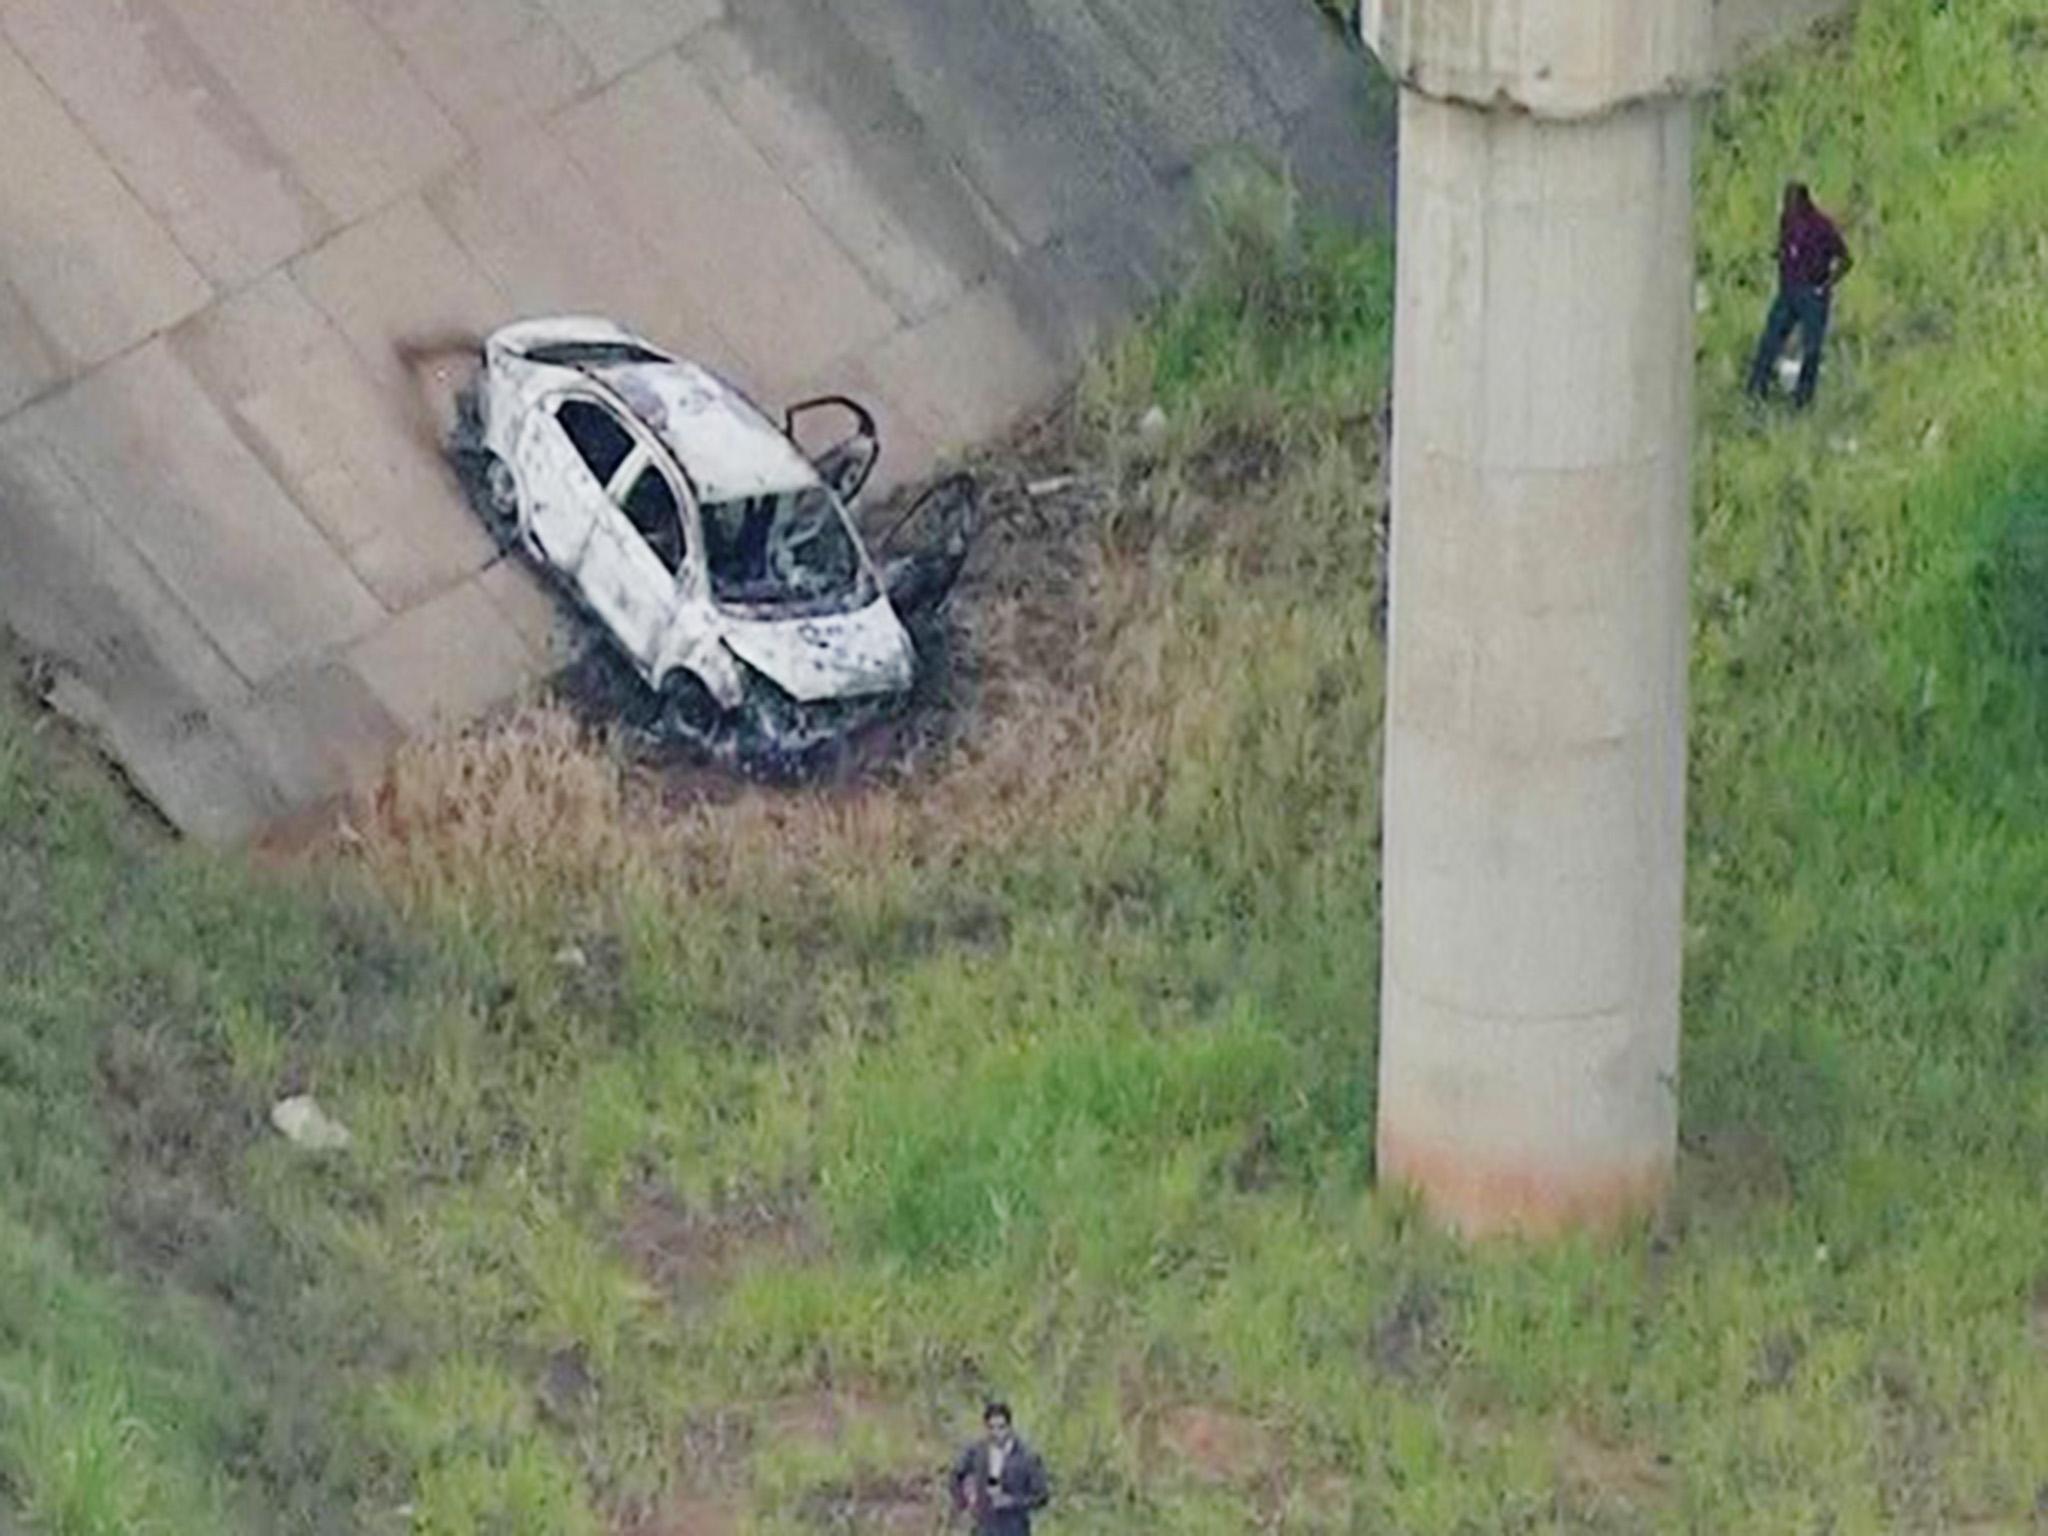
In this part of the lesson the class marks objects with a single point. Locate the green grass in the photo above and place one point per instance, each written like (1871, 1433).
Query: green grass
(790, 1136)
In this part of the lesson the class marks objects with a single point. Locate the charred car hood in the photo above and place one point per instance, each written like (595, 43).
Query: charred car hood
(838, 656)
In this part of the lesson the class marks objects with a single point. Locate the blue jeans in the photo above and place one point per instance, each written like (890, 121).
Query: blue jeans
(1795, 308)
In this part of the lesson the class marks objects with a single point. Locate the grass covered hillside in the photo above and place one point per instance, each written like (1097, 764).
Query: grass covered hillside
(711, 1159)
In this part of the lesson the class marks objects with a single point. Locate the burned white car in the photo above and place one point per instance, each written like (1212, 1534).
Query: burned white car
(720, 559)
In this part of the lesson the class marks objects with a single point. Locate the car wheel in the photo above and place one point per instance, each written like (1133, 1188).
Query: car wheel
(501, 489)
(468, 436)
(501, 499)
(688, 708)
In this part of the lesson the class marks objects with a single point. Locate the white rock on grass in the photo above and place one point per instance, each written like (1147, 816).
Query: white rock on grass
(302, 1122)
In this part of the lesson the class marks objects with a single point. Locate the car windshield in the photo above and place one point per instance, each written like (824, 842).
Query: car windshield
(785, 549)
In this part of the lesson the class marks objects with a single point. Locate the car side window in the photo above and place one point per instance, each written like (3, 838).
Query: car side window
(598, 436)
(650, 506)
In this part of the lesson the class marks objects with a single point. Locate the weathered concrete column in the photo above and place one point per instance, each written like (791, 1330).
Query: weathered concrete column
(1535, 764)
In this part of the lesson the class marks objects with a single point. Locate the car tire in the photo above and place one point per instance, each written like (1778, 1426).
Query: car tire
(688, 708)
(468, 437)
(501, 498)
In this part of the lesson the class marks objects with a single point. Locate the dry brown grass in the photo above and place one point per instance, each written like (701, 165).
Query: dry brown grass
(538, 806)
(515, 806)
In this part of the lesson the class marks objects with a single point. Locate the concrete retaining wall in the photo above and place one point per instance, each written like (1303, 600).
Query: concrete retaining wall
(233, 234)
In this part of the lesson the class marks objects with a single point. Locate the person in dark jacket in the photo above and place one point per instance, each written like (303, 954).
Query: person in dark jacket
(1812, 258)
(999, 1479)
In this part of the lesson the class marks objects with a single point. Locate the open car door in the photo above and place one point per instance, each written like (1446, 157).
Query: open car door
(923, 552)
(846, 429)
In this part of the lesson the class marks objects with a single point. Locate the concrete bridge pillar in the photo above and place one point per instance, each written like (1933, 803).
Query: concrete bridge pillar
(1535, 754)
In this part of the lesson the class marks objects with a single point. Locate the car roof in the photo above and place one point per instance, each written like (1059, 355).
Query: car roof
(725, 444)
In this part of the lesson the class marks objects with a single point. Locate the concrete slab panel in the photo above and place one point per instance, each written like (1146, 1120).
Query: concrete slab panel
(617, 35)
(79, 588)
(815, 159)
(1075, 292)
(1292, 50)
(145, 452)
(674, 167)
(491, 64)
(197, 774)
(1070, 295)
(409, 300)
(329, 93)
(971, 373)
(532, 223)
(826, 114)
(86, 264)
(991, 87)
(317, 731)
(447, 661)
(517, 591)
(1340, 150)
(30, 362)
(1164, 72)
(134, 668)
(352, 457)
(172, 128)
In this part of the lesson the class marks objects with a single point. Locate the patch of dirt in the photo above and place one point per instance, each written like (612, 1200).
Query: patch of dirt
(1408, 1335)
(286, 843)
(1777, 1361)
(819, 1418)
(1257, 1164)
(179, 1131)
(715, 1453)
(1239, 458)
(976, 926)
(567, 1386)
(877, 1504)
(688, 1253)
(1219, 1447)
(1599, 1479)
(1724, 1171)
(1913, 1446)
(594, 973)
(689, 1517)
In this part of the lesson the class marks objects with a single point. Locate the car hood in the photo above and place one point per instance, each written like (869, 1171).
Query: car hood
(837, 656)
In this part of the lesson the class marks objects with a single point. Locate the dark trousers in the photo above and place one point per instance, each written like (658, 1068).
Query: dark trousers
(1795, 308)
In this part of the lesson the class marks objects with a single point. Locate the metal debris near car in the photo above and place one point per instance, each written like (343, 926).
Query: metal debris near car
(717, 556)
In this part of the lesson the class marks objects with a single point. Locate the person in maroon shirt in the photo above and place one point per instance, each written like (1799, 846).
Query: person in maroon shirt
(1812, 258)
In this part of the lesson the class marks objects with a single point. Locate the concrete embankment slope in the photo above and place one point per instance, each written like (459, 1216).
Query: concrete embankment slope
(233, 231)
